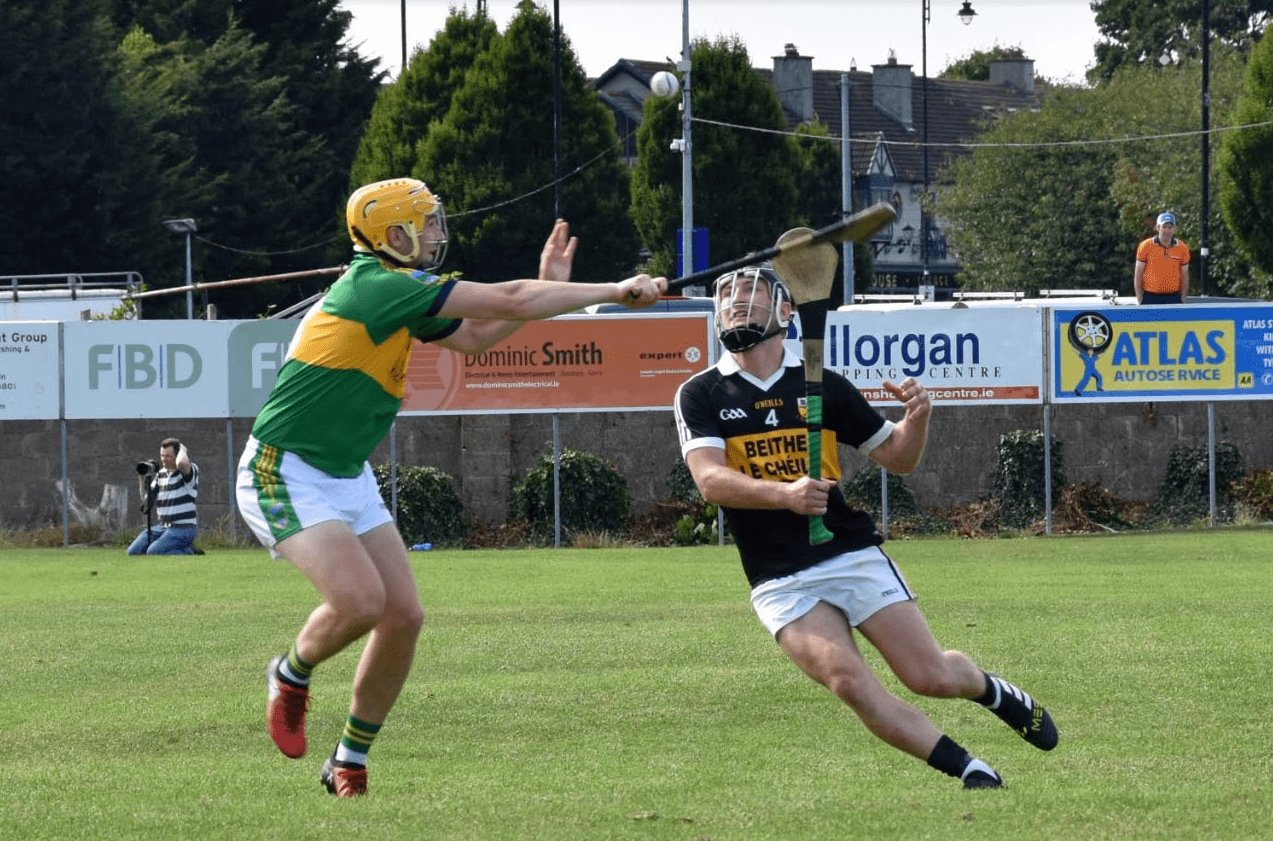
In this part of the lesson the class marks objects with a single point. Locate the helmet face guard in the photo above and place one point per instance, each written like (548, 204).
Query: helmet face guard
(404, 203)
(750, 307)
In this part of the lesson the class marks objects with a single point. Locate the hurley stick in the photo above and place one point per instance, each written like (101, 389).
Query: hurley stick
(808, 272)
(859, 227)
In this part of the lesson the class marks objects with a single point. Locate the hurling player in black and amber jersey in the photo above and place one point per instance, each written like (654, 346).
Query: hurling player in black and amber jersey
(743, 435)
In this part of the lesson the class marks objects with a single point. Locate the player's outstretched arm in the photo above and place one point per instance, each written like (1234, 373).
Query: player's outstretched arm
(493, 312)
(528, 300)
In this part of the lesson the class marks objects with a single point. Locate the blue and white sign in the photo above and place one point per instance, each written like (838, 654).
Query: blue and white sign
(1193, 352)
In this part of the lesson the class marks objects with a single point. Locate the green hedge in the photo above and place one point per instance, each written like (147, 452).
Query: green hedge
(429, 507)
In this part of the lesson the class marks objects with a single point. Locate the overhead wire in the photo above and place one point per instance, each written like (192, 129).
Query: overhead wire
(620, 144)
(1042, 144)
(917, 144)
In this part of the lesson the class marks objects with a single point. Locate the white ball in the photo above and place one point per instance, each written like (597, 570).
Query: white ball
(663, 84)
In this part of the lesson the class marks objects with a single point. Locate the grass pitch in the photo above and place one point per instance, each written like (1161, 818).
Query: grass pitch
(631, 694)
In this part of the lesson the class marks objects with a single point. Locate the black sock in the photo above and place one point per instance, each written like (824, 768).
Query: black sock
(1011, 704)
(988, 697)
(949, 758)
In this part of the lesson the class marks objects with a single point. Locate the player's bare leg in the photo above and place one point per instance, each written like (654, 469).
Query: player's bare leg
(386, 661)
(822, 645)
(901, 635)
(367, 587)
(904, 640)
(354, 597)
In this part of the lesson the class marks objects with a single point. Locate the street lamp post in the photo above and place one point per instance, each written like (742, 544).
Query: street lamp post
(966, 14)
(686, 146)
(1204, 252)
(188, 228)
(923, 91)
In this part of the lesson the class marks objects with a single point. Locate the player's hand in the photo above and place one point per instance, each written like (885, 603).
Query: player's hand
(913, 396)
(641, 291)
(808, 496)
(558, 256)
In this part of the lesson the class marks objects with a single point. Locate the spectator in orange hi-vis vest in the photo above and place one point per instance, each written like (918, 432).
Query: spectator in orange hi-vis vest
(1162, 265)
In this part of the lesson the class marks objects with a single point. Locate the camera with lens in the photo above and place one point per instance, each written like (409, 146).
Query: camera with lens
(145, 468)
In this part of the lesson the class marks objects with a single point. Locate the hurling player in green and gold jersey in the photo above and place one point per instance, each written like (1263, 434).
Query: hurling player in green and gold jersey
(304, 484)
(744, 438)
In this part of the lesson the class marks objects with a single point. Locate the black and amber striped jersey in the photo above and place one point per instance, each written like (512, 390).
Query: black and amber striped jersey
(761, 427)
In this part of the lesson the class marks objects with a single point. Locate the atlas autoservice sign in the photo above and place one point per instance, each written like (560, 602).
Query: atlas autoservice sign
(966, 356)
(1194, 352)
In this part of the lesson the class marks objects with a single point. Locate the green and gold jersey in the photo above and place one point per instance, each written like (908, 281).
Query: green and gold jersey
(345, 374)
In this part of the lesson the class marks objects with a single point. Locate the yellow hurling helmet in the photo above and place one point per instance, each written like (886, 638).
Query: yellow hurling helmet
(405, 202)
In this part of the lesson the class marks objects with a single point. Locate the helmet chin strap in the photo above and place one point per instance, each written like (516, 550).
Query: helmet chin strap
(386, 255)
(740, 339)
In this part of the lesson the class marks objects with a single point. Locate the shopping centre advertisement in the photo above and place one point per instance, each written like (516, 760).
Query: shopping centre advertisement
(964, 356)
(1194, 352)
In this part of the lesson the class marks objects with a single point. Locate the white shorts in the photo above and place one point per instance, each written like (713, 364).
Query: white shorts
(280, 495)
(857, 583)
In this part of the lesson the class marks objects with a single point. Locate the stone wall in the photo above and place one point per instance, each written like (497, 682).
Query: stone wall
(1123, 446)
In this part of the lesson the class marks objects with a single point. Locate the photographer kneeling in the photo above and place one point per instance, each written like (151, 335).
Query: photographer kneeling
(169, 489)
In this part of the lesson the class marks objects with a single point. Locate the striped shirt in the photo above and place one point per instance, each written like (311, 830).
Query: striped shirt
(176, 498)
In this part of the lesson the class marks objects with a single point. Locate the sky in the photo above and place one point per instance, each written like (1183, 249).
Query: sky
(1058, 34)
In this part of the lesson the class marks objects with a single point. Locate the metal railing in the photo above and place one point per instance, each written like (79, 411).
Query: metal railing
(15, 286)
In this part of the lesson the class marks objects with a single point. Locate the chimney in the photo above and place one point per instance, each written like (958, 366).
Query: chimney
(1017, 73)
(793, 82)
(891, 90)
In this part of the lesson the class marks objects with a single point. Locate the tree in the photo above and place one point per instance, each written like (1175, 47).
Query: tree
(421, 96)
(745, 180)
(233, 158)
(118, 114)
(976, 66)
(332, 89)
(820, 185)
(1141, 32)
(492, 160)
(1166, 172)
(74, 156)
(1058, 198)
(1246, 166)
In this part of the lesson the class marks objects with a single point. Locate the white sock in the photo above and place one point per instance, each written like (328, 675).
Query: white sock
(286, 671)
(345, 754)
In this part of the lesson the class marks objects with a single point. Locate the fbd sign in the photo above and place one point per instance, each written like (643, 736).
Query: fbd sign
(136, 366)
(257, 351)
(158, 369)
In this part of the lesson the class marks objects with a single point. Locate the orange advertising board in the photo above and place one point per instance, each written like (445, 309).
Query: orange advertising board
(569, 363)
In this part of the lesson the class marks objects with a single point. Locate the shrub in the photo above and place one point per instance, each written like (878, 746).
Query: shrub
(699, 524)
(594, 495)
(1018, 486)
(1255, 493)
(905, 517)
(863, 491)
(429, 508)
(1185, 495)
